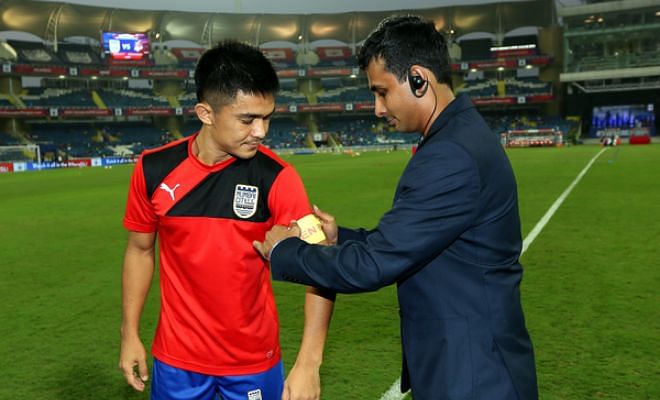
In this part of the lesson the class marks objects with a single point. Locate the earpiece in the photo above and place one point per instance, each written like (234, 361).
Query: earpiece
(416, 84)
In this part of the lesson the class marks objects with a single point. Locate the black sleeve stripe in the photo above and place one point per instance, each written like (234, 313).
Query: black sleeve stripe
(156, 166)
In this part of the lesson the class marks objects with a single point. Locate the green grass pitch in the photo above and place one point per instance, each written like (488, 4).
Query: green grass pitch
(590, 291)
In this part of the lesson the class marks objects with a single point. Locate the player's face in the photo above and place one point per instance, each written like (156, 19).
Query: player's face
(394, 100)
(239, 127)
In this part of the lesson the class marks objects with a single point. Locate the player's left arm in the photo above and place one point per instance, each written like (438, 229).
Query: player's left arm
(304, 380)
(289, 201)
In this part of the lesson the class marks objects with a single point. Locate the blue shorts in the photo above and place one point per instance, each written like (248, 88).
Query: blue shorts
(170, 383)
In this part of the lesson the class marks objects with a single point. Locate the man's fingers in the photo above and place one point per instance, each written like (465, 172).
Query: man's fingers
(131, 378)
(137, 383)
(294, 228)
(286, 395)
(127, 370)
(260, 248)
(142, 370)
(320, 214)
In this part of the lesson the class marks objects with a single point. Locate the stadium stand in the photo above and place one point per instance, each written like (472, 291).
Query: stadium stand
(132, 98)
(6, 139)
(74, 139)
(346, 94)
(4, 102)
(527, 86)
(78, 54)
(188, 56)
(285, 133)
(360, 131)
(288, 85)
(285, 97)
(331, 83)
(335, 57)
(280, 57)
(58, 98)
(480, 88)
(513, 78)
(143, 132)
(33, 52)
(188, 99)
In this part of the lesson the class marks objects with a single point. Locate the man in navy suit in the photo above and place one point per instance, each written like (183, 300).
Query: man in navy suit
(451, 241)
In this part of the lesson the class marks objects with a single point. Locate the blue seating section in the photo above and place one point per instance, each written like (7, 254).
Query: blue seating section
(132, 98)
(480, 88)
(77, 139)
(141, 135)
(189, 99)
(6, 139)
(528, 86)
(85, 140)
(4, 103)
(288, 85)
(285, 133)
(512, 87)
(351, 132)
(58, 98)
(346, 95)
(285, 97)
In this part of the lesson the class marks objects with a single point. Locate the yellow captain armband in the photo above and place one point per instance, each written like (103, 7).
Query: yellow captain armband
(311, 230)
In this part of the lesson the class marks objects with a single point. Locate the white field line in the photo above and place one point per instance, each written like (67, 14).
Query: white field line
(394, 393)
(551, 211)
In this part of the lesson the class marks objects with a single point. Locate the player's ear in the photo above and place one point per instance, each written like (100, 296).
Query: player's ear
(204, 113)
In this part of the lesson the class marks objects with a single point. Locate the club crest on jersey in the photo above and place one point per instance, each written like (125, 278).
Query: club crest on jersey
(254, 394)
(245, 200)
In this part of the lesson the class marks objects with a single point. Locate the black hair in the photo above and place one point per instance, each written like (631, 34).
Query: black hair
(406, 40)
(230, 67)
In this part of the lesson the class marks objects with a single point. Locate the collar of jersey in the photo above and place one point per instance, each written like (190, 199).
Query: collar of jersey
(201, 165)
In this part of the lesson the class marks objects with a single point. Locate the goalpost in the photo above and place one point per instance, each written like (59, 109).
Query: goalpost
(20, 153)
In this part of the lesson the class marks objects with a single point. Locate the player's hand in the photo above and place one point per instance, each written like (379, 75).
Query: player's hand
(274, 235)
(133, 362)
(329, 225)
(303, 383)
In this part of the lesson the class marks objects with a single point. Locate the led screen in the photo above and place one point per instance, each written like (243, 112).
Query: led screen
(125, 46)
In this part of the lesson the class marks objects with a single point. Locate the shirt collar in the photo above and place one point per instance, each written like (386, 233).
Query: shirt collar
(461, 103)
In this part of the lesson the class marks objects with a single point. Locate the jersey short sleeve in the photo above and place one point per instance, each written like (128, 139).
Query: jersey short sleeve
(140, 215)
(287, 199)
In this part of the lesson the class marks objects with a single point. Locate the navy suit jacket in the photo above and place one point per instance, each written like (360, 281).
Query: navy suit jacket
(451, 243)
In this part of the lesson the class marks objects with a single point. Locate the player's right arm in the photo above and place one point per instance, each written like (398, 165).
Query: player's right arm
(137, 274)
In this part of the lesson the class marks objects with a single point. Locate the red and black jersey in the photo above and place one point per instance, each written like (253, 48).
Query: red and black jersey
(217, 313)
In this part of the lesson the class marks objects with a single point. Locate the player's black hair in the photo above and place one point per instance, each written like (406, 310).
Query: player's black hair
(402, 41)
(230, 67)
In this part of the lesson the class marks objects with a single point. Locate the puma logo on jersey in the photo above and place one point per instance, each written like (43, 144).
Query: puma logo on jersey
(169, 190)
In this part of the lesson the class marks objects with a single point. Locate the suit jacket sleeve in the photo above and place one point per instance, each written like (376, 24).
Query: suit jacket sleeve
(346, 234)
(437, 200)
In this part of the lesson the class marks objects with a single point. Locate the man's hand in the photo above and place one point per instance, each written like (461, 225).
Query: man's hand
(276, 234)
(303, 383)
(133, 355)
(329, 226)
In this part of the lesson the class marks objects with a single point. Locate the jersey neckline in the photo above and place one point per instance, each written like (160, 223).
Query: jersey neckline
(199, 164)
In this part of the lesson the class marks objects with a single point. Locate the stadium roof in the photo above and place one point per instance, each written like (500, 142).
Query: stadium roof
(285, 6)
(290, 20)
